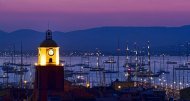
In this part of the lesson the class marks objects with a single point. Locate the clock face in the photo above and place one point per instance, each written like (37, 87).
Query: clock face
(50, 52)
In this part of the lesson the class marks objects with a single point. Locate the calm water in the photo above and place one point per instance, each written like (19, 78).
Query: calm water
(97, 78)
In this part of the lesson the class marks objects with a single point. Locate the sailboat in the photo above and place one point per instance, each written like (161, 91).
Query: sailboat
(8, 67)
(111, 63)
(97, 67)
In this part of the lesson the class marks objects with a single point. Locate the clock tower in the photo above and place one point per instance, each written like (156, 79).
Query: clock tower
(49, 74)
(48, 52)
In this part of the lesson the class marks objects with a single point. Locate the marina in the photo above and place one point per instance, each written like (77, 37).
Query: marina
(138, 71)
(171, 76)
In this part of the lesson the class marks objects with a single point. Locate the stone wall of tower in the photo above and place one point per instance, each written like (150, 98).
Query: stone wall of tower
(49, 81)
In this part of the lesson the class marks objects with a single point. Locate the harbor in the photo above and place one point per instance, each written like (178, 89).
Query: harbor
(169, 74)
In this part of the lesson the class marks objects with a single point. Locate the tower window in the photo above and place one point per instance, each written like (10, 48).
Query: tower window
(50, 60)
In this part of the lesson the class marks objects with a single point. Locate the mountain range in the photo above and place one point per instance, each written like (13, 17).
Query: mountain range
(106, 39)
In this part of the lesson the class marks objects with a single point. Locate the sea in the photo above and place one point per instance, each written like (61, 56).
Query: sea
(177, 79)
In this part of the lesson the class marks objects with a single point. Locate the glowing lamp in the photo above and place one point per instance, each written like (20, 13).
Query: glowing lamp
(119, 87)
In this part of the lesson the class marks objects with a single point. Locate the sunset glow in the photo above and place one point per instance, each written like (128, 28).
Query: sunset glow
(67, 15)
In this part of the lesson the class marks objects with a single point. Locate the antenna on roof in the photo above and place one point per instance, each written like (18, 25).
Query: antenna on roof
(48, 33)
(48, 24)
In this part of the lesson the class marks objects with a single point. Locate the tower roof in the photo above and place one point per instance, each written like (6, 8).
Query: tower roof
(48, 42)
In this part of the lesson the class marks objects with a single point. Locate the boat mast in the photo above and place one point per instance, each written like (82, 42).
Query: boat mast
(128, 69)
(187, 51)
(13, 53)
(154, 71)
(97, 59)
(149, 67)
(98, 66)
(127, 57)
(21, 68)
(136, 60)
(173, 80)
(118, 53)
(70, 55)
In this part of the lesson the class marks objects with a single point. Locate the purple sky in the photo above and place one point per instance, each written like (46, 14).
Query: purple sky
(68, 15)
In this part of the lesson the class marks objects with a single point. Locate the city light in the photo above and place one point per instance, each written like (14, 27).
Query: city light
(119, 87)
